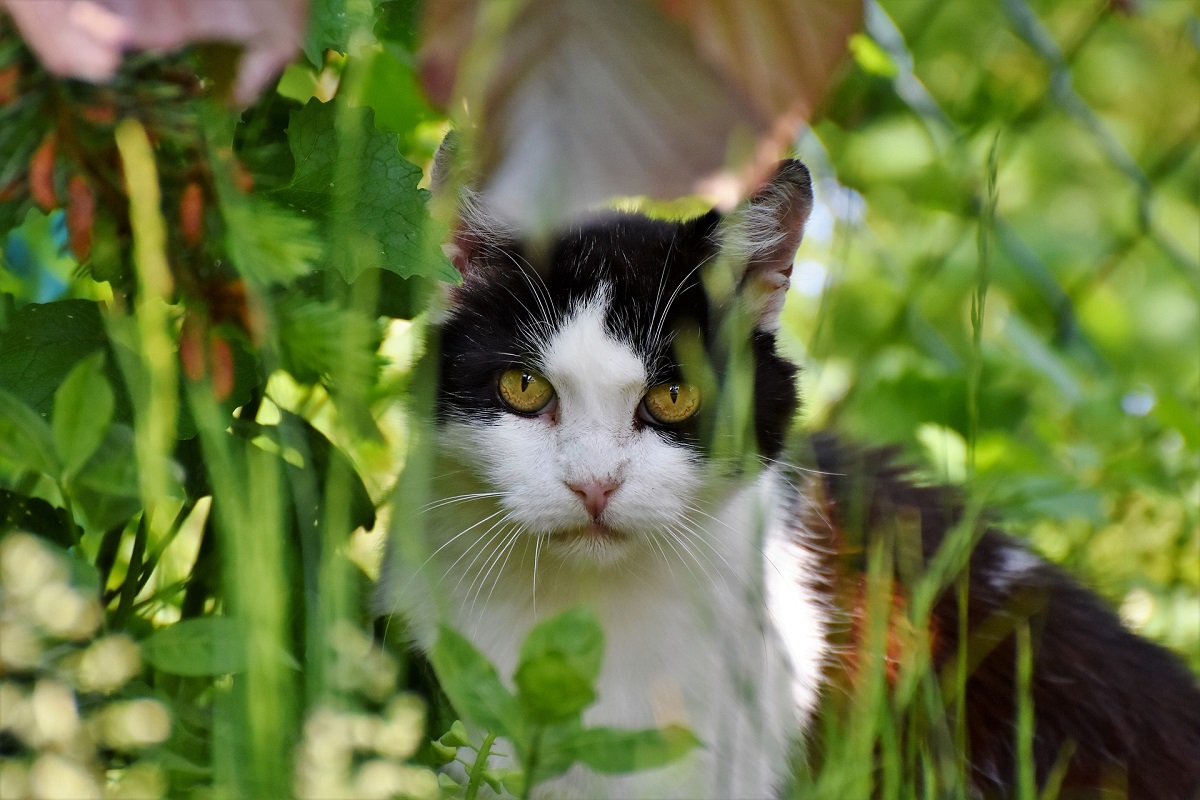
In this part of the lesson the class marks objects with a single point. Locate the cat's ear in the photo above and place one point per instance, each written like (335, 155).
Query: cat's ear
(473, 229)
(763, 236)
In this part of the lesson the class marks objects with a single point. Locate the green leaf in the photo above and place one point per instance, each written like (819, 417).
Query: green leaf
(560, 661)
(25, 437)
(83, 410)
(324, 342)
(353, 181)
(266, 243)
(41, 345)
(330, 24)
(609, 750)
(197, 647)
(471, 683)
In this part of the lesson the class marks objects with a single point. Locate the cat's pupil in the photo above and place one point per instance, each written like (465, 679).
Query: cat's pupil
(674, 393)
(525, 379)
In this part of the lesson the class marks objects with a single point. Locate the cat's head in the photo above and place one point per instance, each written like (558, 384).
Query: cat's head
(583, 379)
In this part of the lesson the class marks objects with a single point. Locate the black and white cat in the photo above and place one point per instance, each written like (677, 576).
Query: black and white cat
(590, 449)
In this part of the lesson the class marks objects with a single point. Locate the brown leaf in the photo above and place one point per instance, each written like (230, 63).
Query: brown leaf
(87, 38)
(191, 214)
(81, 214)
(573, 101)
(191, 347)
(221, 361)
(41, 174)
(8, 84)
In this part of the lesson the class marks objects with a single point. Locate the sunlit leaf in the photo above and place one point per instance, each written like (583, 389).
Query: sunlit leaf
(353, 181)
(560, 661)
(610, 750)
(268, 244)
(83, 409)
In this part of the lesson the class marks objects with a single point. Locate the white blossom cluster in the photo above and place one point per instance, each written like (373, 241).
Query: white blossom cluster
(56, 680)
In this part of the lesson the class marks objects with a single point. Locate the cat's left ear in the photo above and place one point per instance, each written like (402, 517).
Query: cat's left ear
(763, 236)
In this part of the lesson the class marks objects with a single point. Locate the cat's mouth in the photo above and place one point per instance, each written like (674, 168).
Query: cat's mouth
(594, 531)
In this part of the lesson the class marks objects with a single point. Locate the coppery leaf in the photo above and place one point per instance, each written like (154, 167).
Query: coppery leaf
(87, 38)
(191, 214)
(81, 214)
(574, 101)
(41, 174)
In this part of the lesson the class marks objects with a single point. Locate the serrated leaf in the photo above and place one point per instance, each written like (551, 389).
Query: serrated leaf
(25, 438)
(83, 410)
(323, 341)
(266, 243)
(352, 180)
(560, 661)
(474, 688)
(197, 647)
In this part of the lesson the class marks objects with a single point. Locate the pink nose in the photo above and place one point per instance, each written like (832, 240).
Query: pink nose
(594, 495)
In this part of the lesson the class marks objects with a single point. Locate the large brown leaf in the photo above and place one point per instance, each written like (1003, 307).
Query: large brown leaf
(567, 103)
(87, 38)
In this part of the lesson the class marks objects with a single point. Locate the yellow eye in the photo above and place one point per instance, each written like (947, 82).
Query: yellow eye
(671, 403)
(524, 391)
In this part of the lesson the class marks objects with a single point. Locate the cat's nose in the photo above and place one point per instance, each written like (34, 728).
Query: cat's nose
(594, 494)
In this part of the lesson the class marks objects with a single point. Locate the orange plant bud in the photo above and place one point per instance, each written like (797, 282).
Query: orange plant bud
(41, 174)
(221, 359)
(102, 114)
(81, 214)
(8, 84)
(191, 348)
(191, 214)
(242, 177)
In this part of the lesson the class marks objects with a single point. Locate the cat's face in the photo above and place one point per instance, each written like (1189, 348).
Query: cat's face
(579, 381)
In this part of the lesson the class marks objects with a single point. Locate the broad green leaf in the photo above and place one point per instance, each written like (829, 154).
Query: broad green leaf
(324, 342)
(474, 688)
(267, 243)
(25, 438)
(560, 661)
(330, 24)
(610, 750)
(197, 647)
(353, 181)
(41, 345)
(83, 410)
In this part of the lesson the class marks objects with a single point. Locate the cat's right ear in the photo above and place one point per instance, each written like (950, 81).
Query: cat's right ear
(763, 235)
(473, 229)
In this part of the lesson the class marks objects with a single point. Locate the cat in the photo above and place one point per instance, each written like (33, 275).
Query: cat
(612, 421)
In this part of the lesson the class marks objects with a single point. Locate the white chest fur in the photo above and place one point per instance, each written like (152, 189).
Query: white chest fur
(721, 631)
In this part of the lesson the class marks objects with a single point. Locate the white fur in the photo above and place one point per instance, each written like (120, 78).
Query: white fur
(682, 596)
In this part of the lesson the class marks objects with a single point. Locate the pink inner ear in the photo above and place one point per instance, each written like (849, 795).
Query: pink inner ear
(767, 233)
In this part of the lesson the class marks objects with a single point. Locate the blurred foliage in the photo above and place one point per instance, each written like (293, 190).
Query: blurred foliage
(1088, 383)
(297, 247)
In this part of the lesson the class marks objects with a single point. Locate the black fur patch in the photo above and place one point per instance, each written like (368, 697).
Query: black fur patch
(515, 294)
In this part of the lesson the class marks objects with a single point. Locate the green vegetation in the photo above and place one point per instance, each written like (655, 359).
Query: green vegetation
(206, 361)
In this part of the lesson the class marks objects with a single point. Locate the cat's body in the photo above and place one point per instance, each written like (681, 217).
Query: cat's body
(591, 449)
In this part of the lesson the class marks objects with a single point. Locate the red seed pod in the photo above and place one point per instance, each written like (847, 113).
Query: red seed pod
(8, 84)
(81, 214)
(191, 348)
(242, 177)
(191, 214)
(102, 114)
(41, 174)
(221, 360)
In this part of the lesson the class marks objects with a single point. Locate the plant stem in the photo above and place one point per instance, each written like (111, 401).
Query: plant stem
(480, 766)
